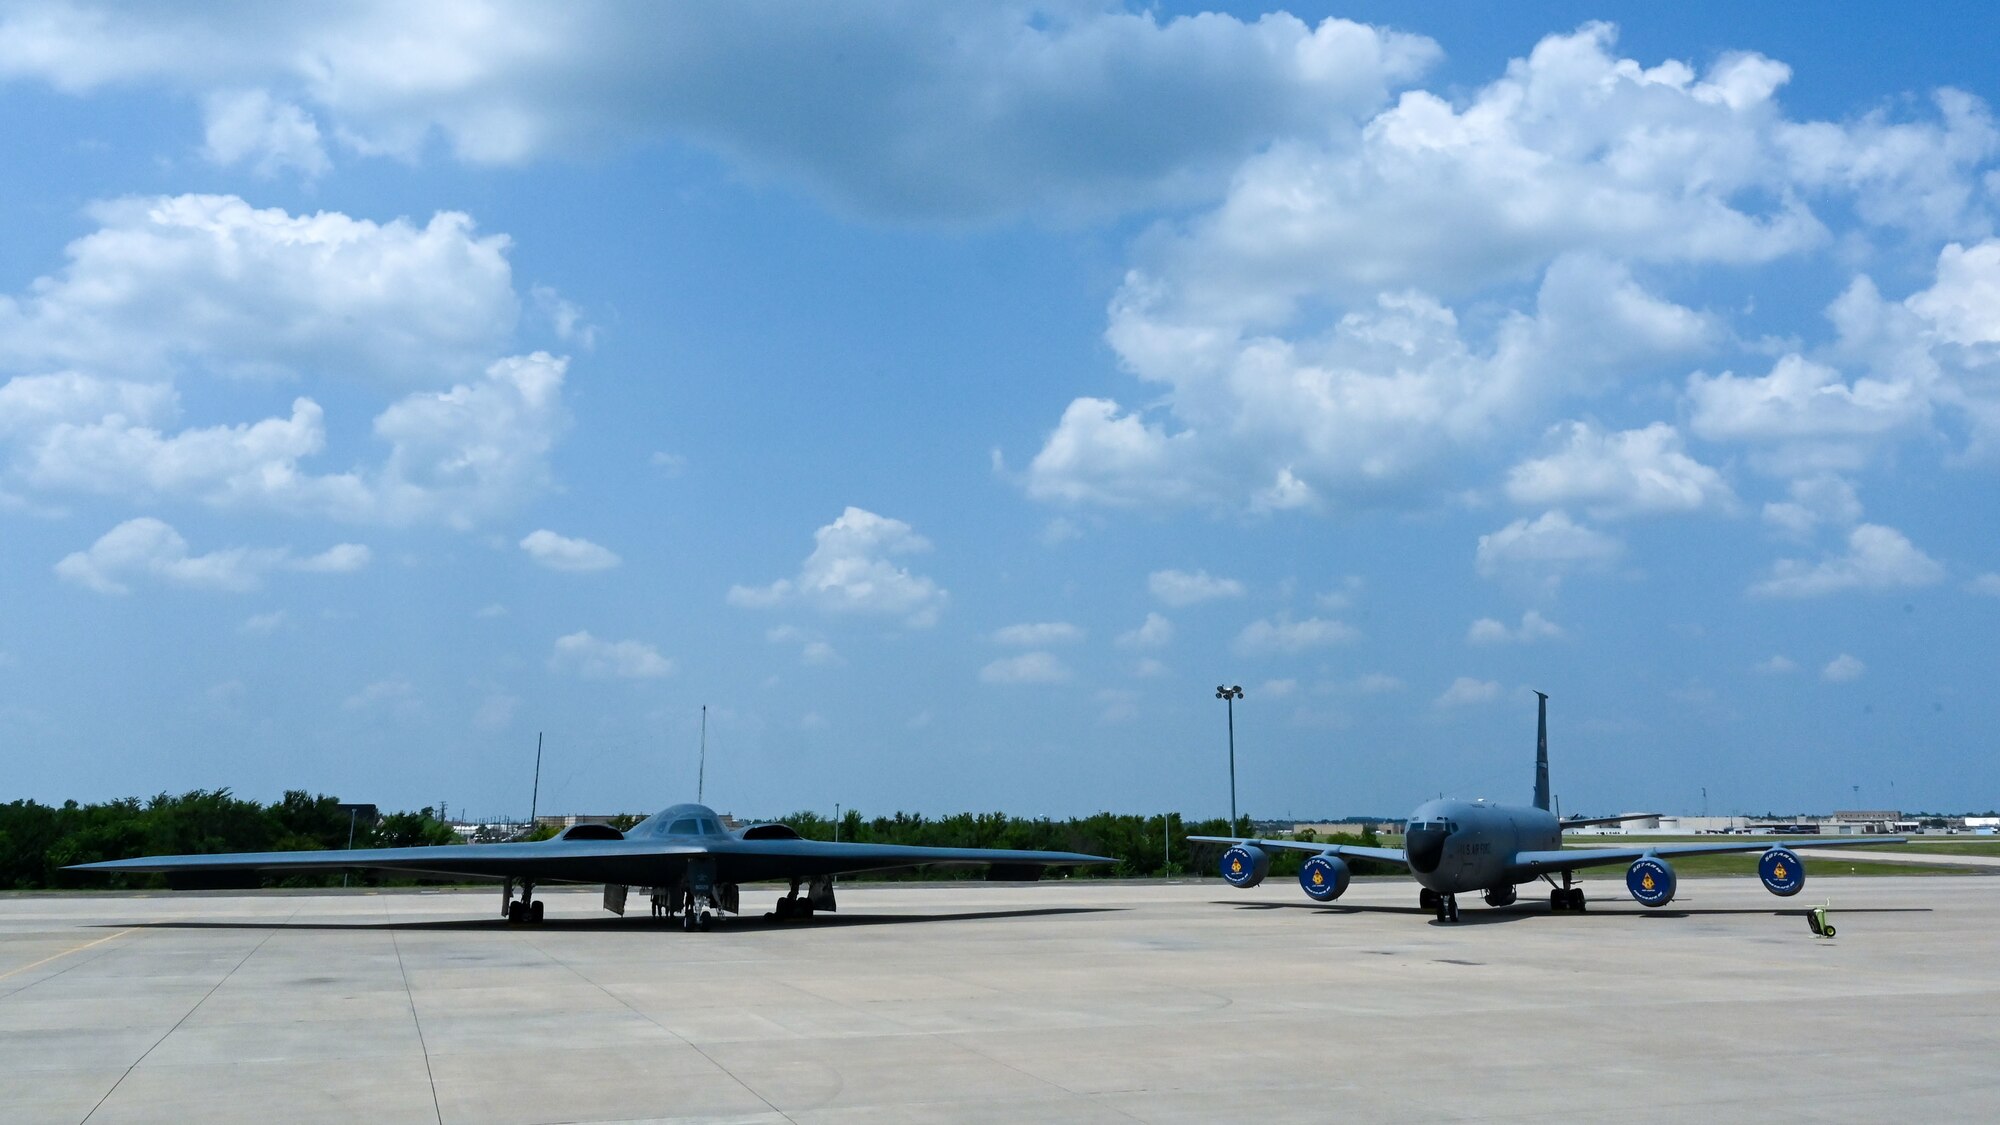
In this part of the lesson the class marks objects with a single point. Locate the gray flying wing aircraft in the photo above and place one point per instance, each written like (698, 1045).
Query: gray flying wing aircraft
(1453, 847)
(683, 854)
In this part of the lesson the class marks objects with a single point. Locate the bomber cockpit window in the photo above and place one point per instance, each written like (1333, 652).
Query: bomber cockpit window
(709, 827)
(684, 827)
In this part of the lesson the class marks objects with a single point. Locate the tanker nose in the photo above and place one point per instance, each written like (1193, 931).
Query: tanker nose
(1423, 844)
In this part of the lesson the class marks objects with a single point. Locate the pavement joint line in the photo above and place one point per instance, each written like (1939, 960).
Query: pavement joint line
(953, 1039)
(396, 944)
(64, 953)
(185, 1016)
(691, 1044)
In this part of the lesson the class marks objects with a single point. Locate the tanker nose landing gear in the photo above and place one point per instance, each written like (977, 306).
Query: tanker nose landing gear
(1445, 906)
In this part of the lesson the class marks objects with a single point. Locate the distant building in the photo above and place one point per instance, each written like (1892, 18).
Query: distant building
(1342, 828)
(1868, 816)
(361, 816)
(560, 821)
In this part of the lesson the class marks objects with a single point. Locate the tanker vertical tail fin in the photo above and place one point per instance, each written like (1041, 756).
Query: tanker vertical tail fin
(1541, 750)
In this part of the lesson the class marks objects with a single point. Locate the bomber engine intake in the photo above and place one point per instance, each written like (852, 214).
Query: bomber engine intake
(1324, 877)
(1245, 865)
(1650, 879)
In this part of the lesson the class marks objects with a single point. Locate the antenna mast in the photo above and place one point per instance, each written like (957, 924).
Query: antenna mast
(701, 771)
(535, 800)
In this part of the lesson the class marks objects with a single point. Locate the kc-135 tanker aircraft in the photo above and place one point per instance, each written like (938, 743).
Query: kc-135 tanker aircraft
(1452, 847)
(692, 864)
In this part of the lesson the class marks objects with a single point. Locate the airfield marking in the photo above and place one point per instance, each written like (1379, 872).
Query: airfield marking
(423, 1046)
(64, 953)
(184, 1017)
(637, 1011)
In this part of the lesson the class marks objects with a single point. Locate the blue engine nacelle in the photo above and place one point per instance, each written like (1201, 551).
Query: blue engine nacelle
(1324, 877)
(1650, 880)
(1245, 865)
(1783, 872)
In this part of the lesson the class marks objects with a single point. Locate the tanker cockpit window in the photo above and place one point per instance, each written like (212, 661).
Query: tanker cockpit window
(1423, 844)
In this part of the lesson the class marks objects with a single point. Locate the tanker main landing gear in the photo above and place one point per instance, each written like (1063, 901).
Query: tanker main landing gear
(1567, 898)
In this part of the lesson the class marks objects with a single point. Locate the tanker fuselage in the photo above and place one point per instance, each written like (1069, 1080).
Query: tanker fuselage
(1458, 846)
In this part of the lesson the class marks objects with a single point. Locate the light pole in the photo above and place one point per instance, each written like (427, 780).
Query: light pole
(1229, 696)
(350, 840)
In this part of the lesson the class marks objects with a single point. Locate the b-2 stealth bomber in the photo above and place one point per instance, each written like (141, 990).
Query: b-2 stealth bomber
(682, 854)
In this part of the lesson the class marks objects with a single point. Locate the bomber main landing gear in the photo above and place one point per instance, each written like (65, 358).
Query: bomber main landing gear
(793, 906)
(527, 908)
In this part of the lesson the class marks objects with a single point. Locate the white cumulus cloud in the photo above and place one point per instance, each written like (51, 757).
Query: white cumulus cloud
(1633, 472)
(1181, 588)
(209, 281)
(1877, 558)
(1549, 546)
(934, 110)
(1842, 669)
(850, 572)
(398, 698)
(1286, 636)
(1466, 691)
(1154, 632)
(1027, 668)
(558, 552)
(1963, 305)
(251, 126)
(175, 289)
(595, 659)
(1038, 634)
(1533, 627)
(149, 548)
(1818, 500)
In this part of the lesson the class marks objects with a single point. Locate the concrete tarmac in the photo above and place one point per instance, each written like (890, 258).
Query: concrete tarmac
(994, 1002)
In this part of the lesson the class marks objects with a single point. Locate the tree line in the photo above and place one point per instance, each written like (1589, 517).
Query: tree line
(37, 841)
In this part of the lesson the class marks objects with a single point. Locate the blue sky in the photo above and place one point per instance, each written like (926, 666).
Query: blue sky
(950, 396)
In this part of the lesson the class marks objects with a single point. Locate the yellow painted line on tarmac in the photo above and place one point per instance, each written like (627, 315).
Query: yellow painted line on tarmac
(64, 953)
